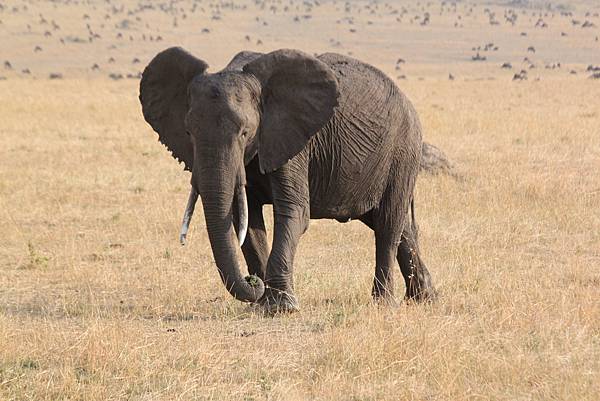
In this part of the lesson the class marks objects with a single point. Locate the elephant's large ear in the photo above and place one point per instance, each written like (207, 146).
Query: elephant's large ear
(238, 61)
(163, 94)
(299, 93)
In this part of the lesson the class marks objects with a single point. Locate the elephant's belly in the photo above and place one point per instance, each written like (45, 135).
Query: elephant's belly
(346, 186)
(344, 204)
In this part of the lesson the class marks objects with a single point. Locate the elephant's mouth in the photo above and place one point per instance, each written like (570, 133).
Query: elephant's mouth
(242, 202)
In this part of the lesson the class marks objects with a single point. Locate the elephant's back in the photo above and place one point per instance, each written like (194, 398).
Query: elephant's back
(353, 153)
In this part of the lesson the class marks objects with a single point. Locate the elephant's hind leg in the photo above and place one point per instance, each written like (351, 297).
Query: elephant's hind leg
(415, 273)
(413, 269)
(385, 255)
(387, 240)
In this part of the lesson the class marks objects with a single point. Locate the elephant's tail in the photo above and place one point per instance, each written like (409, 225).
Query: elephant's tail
(413, 221)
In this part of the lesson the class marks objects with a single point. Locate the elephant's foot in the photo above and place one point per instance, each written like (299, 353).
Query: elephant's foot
(387, 300)
(383, 294)
(277, 301)
(419, 287)
(382, 291)
(425, 293)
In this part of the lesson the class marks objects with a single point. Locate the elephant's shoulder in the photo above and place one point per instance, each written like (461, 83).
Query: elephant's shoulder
(358, 81)
(345, 66)
(357, 78)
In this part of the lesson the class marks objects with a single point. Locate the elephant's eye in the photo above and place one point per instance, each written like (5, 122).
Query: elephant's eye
(244, 134)
(188, 133)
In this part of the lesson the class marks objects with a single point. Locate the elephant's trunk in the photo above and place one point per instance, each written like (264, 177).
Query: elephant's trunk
(217, 200)
(242, 212)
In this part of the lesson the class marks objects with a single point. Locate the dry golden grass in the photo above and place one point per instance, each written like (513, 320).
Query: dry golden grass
(98, 301)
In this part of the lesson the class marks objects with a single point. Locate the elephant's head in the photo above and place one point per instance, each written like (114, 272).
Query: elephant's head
(216, 123)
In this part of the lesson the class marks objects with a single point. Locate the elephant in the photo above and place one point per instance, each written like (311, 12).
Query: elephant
(317, 137)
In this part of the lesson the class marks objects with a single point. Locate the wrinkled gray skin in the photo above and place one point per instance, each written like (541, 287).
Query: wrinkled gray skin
(316, 137)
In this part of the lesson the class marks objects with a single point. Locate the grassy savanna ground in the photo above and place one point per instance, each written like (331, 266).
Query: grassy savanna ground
(99, 301)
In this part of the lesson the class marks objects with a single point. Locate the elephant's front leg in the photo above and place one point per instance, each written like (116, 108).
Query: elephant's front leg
(255, 247)
(291, 215)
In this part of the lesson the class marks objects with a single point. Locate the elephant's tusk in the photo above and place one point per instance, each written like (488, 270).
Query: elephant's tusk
(243, 214)
(187, 216)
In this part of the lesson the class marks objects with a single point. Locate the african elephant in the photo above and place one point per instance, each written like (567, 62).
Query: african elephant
(317, 137)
